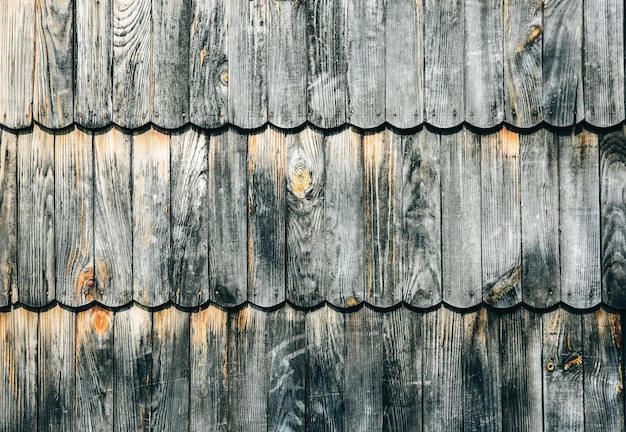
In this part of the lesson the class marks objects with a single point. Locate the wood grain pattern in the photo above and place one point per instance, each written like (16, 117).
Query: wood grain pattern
(228, 213)
(35, 235)
(8, 217)
(304, 177)
(74, 218)
(190, 218)
(113, 223)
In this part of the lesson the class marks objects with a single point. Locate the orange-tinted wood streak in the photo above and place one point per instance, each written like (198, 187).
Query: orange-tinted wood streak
(8, 217)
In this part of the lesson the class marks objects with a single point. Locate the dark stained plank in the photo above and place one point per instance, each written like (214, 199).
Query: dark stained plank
(304, 177)
(189, 222)
(363, 374)
(151, 214)
(53, 92)
(35, 170)
(208, 405)
(286, 356)
(327, 86)
(580, 218)
(344, 226)
(521, 369)
(523, 61)
(420, 265)
(286, 63)
(247, 67)
(404, 63)
(93, 50)
(444, 63)
(482, 406)
(613, 218)
(539, 196)
(461, 219)
(171, 21)
(402, 370)
(56, 366)
(603, 62)
(602, 371)
(484, 80)
(267, 155)
(563, 408)
(8, 216)
(365, 54)
(501, 225)
(562, 62)
(113, 223)
(326, 344)
(382, 155)
(208, 63)
(17, 62)
(228, 213)
(131, 62)
(171, 370)
(74, 232)
(95, 371)
(133, 369)
(442, 340)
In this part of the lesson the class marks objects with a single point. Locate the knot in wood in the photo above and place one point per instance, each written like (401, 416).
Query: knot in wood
(300, 179)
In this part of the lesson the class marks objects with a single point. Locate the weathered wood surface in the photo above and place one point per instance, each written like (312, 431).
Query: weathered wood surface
(8, 216)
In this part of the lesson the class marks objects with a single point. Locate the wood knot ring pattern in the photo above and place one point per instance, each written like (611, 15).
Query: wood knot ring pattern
(550, 366)
(300, 179)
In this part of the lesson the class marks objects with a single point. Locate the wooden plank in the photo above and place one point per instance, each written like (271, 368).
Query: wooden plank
(563, 408)
(17, 62)
(326, 347)
(208, 63)
(189, 221)
(208, 359)
(266, 217)
(521, 369)
(74, 233)
(501, 225)
(539, 196)
(444, 63)
(402, 370)
(171, 370)
(54, 63)
(420, 268)
(133, 369)
(523, 61)
(171, 21)
(8, 217)
(286, 360)
(113, 223)
(382, 155)
(365, 51)
(363, 395)
(563, 103)
(404, 63)
(461, 219)
(442, 403)
(344, 226)
(602, 371)
(56, 366)
(613, 218)
(286, 63)
(132, 51)
(35, 170)
(95, 371)
(603, 62)
(484, 76)
(327, 87)
(247, 69)
(580, 218)
(151, 209)
(228, 213)
(304, 178)
(94, 63)
(482, 406)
